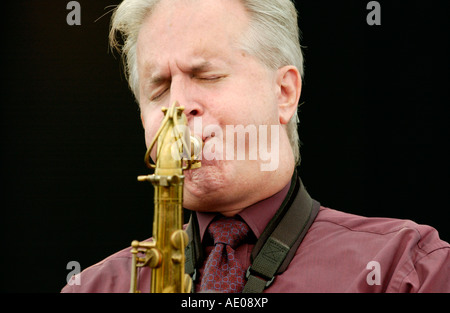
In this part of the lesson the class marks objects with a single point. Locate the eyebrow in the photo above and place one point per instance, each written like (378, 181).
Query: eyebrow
(158, 78)
(202, 67)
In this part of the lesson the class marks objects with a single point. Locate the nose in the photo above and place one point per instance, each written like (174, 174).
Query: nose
(183, 91)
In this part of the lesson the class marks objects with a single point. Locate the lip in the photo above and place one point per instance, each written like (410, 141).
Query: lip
(208, 137)
(204, 139)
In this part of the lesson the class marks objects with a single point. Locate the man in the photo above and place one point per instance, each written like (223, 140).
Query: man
(237, 62)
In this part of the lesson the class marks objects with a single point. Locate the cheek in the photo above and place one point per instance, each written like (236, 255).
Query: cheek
(149, 133)
(256, 108)
(254, 101)
(151, 120)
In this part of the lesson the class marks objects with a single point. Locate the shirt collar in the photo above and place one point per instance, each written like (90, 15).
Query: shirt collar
(257, 215)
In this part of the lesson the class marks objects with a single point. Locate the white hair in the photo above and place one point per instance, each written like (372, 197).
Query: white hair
(273, 37)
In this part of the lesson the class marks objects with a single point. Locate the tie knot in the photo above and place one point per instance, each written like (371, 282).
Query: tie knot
(228, 230)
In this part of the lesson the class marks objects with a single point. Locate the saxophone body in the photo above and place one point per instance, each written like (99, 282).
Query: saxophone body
(176, 151)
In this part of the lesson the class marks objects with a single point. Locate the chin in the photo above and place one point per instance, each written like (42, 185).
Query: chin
(204, 180)
(202, 184)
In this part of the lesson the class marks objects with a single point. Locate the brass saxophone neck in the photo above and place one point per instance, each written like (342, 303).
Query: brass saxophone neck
(176, 151)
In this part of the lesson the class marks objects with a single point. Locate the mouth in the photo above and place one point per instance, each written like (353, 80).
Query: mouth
(205, 138)
(205, 141)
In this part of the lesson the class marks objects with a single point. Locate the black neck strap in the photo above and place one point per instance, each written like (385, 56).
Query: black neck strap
(275, 247)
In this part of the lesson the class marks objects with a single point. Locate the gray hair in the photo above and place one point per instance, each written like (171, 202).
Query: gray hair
(273, 37)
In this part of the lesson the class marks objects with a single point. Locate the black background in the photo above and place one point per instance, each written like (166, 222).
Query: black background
(373, 128)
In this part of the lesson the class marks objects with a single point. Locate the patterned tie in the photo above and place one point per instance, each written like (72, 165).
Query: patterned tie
(222, 271)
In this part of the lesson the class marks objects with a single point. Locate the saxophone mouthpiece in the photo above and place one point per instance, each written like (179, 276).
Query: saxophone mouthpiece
(196, 147)
(196, 152)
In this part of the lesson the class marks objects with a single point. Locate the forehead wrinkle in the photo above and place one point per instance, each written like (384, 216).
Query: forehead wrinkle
(156, 77)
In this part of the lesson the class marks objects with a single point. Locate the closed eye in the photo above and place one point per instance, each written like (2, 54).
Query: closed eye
(158, 94)
(210, 78)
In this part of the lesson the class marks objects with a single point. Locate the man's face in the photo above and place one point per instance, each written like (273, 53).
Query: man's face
(189, 52)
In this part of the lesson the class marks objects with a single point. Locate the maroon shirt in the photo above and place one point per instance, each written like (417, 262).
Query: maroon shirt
(340, 253)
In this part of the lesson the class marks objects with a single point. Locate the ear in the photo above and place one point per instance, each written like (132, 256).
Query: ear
(289, 83)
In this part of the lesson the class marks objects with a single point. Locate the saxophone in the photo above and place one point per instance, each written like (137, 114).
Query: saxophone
(176, 151)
